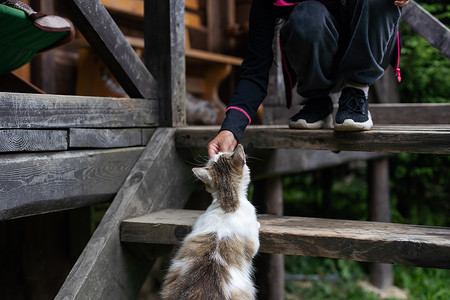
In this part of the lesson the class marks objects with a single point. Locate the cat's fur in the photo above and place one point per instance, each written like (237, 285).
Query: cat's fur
(214, 261)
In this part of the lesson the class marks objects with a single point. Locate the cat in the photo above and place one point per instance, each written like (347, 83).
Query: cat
(214, 261)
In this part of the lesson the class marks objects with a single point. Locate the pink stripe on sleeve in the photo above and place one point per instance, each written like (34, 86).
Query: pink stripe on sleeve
(283, 3)
(242, 111)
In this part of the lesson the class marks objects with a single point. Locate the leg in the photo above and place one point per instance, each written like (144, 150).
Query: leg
(373, 26)
(310, 43)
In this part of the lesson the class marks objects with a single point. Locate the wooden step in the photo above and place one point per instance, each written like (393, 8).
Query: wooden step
(423, 246)
(384, 138)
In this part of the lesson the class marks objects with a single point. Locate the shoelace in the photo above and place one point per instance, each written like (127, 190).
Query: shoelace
(353, 101)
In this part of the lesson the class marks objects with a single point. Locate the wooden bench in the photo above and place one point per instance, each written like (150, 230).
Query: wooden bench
(423, 246)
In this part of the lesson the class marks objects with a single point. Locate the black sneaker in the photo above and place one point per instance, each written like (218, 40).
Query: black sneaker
(353, 113)
(313, 114)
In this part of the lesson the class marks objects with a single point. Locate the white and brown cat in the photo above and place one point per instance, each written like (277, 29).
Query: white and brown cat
(214, 261)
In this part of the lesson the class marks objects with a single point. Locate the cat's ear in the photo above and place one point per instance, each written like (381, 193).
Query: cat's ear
(238, 156)
(203, 175)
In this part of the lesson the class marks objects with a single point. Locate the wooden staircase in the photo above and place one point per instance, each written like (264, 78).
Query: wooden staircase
(64, 152)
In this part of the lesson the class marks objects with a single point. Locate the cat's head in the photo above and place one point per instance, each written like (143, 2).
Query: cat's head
(226, 175)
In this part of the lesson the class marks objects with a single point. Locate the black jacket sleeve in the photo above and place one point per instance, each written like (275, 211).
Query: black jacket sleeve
(254, 75)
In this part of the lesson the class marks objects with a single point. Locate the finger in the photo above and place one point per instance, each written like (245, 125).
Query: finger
(212, 150)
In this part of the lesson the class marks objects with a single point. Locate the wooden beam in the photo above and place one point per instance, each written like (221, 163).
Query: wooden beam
(33, 140)
(422, 246)
(106, 269)
(27, 111)
(382, 113)
(426, 25)
(413, 139)
(44, 182)
(269, 276)
(105, 138)
(100, 30)
(381, 275)
(401, 113)
(165, 58)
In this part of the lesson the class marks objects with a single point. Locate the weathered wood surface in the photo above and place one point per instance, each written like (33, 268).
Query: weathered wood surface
(33, 140)
(102, 33)
(105, 138)
(106, 269)
(430, 28)
(56, 111)
(410, 113)
(381, 275)
(382, 114)
(32, 183)
(165, 58)
(423, 246)
(413, 139)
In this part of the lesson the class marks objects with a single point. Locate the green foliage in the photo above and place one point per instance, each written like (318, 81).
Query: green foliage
(425, 71)
(421, 283)
(420, 189)
(324, 192)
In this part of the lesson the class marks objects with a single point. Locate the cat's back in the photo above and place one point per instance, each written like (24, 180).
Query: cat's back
(211, 267)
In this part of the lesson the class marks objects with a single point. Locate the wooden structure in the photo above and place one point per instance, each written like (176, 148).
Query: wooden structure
(66, 152)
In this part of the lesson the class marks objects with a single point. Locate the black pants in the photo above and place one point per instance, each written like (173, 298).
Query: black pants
(328, 47)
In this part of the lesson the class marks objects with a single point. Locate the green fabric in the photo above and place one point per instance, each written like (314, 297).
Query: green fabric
(20, 40)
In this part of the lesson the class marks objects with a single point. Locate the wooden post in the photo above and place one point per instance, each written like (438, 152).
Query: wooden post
(381, 275)
(268, 198)
(165, 57)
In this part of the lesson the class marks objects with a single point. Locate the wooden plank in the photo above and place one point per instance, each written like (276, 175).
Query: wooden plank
(135, 7)
(410, 113)
(205, 56)
(33, 140)
(56, 111)
(430, 28)
(99, 29)
(38, 183)
(164, 57)
(280, 137)
(105, 138)
(422, 246)
(382, 114)
(106, 269)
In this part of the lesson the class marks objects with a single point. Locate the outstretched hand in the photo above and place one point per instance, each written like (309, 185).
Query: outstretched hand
(401, 3)
(223, 142)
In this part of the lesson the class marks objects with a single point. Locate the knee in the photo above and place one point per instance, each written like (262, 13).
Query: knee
(377, 7)
(309, 20)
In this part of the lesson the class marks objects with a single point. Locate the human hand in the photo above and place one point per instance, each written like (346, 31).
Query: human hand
(401, 3)
(223, 142)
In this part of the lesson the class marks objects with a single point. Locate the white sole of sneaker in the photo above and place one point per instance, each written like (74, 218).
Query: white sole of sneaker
(302, 124)
(350, 125)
